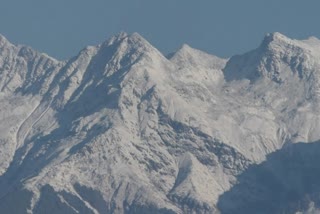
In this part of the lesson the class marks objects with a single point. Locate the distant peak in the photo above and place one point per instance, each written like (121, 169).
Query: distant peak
(116, 38)
(275, 37)
(122, 34)
(279, 42)
(129, 47)
(188, 51)
(136, 36)
(185, 47)
(313, 43)
(267, 61)
(182, 51)
(3, 40)
(313, 38)
(133, 38)
(187, 55)
(1, 37)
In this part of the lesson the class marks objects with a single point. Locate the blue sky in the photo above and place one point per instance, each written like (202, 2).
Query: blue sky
(62, 28)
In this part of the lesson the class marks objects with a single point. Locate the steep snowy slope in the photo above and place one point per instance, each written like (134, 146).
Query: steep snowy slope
(21, 69)
(284, 76)
(122, 129)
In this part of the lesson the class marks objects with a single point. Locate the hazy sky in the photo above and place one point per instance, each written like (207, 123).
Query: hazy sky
(62, 28)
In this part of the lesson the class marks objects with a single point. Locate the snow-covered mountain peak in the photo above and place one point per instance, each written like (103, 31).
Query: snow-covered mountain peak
(133, 39)
(283, 59)
(277, 43)
(278, 40)
(3, 40)
(195, 66)
(188, 56)
(312, 40)
(277, 46)
(130, 47)
(116, 38)
(275, 37)
(119, 128)
(278, 58)
(185, 48)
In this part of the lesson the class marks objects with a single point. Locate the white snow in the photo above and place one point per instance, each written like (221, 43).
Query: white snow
(141, 131)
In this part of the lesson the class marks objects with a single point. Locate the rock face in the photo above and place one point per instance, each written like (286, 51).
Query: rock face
(120, 128)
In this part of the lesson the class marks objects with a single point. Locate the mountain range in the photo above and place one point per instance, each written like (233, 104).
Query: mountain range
(121, 128)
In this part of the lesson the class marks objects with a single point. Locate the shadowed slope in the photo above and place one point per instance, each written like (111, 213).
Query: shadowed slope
(287, 182)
